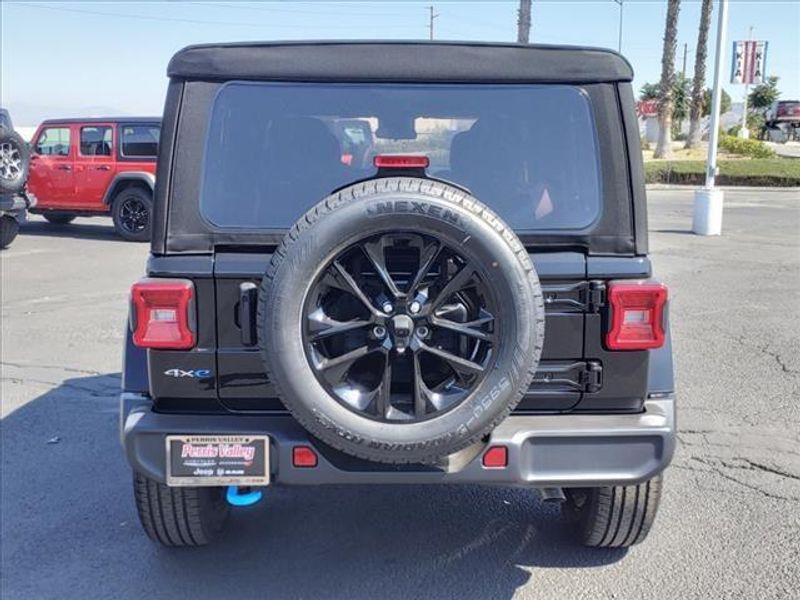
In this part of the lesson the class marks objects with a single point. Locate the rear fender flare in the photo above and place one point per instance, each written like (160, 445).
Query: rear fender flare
(127, 177)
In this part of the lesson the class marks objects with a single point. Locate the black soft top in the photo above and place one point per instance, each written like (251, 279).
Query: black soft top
(400, 61)
(102, 120)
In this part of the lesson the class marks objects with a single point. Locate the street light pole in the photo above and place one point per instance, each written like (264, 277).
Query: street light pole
(707, 218)
(619, 42)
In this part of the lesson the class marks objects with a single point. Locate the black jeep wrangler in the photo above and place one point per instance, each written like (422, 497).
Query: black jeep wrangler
(469, 302)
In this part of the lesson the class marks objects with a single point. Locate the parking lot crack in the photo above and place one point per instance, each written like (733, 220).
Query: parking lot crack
(718, 467)
(776, 356)
(755, 466)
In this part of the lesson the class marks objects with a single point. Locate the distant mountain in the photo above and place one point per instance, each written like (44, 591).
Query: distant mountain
(27, 115)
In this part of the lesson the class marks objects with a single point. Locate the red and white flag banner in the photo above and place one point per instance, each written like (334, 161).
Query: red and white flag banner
(749, 62)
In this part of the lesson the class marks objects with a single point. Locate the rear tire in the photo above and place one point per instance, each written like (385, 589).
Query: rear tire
(613, 517)
(14, 161)
(180, 516)
(59, 218)
(9, 228)
(132, 212)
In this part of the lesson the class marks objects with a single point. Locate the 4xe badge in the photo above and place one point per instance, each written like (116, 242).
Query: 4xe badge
(193, 373)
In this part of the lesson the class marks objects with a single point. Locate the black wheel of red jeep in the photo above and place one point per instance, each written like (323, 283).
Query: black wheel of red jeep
(57, 218)
(9, 228)
(14, 161)
(132, 212)
(613, 517)
(400, 320)
(180, 516)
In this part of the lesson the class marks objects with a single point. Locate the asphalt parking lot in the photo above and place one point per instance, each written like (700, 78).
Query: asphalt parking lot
(729, 524)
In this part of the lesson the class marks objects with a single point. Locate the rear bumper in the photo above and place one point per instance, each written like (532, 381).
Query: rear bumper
(543, 451)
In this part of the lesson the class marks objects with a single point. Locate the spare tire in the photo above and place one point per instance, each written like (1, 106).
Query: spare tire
(400, 320)
(14, 161)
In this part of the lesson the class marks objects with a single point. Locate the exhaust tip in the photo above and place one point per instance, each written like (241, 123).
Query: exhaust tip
(553, 494)
(242, 496)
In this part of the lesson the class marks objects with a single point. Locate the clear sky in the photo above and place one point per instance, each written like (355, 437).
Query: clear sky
(82, 58)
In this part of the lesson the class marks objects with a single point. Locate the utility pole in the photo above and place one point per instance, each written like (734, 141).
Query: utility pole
(431, 17)
(707, 218)
(685, 49)
(619, 42)
(524, 22)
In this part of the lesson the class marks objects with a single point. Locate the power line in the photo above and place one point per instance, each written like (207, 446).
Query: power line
(270, 9)
(173, 19)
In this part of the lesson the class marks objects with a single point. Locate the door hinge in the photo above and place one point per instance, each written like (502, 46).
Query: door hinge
(595, 296)
(556, 376)
(582, 296)
(592, 376)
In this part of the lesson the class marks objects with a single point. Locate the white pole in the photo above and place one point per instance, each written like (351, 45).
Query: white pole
(744, 132)
(708, 200)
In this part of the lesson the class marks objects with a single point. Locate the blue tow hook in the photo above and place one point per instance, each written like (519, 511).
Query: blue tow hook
(243, 496)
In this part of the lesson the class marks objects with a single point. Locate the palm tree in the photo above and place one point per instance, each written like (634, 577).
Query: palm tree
(698, 97)
(524, 22)
(664, 145)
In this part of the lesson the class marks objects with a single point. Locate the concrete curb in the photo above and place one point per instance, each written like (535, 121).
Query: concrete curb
(727, 188)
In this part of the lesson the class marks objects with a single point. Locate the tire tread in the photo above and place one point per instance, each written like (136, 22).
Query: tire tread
(619, 516)
(174, 516)
(413, 185)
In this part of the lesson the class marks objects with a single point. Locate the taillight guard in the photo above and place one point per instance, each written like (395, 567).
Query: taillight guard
(637, 315)
(163, 314)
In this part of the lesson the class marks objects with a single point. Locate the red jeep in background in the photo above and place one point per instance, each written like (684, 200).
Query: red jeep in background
(98, 166)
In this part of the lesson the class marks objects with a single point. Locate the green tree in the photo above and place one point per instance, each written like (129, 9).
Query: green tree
(763, 95)
(681, 95)
(665, 100)
(649, 91)
(725, 102)
(681, 99)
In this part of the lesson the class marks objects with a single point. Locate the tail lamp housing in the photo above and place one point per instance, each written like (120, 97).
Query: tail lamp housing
(163, 314)
(637, 315)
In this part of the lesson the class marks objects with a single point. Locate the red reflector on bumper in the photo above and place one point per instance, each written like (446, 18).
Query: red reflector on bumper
(304, 457)
(496, 457)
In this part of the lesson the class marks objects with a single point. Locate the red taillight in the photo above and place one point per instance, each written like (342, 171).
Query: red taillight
(162, 314)
(401, 161)
(304, 457)
(637, 315)
(496, 457)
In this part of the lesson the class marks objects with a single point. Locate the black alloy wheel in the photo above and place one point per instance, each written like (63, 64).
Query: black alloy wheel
(132, 211)
(400, 327)
(134, 215)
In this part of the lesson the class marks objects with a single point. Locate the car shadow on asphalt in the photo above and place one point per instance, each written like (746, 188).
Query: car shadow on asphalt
(70, 529)
(88, 231)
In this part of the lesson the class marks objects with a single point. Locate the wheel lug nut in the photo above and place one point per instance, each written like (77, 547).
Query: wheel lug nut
(379, 331)
(414, 307)
(387, 307)
(423, 331)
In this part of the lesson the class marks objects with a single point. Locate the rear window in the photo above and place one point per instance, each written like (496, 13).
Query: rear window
(140, 140)
(275, 150)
